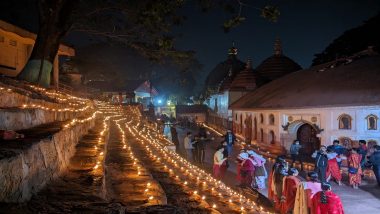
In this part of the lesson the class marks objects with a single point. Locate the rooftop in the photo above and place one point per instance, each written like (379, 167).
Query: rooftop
(347, 82)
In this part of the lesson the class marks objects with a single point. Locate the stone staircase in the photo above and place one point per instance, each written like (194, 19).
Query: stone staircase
(25, 106)
(80, 189)
(52, 123)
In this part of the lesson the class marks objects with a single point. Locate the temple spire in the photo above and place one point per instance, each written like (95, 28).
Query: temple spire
(248, 65)
(233, 50)
(277, 47)
(230, 72)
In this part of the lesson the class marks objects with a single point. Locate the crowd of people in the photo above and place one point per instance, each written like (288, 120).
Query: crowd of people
(286, 189)
(328, 162)
(292, 195)
(195, 146)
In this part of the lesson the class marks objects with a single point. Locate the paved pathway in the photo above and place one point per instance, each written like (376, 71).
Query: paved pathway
(363, 200)
(126, 178)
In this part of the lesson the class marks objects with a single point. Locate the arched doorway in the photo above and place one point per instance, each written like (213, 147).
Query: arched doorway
(272, 138)
(307, 136)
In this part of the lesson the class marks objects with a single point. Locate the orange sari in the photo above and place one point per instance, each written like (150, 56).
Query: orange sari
(290, 189)
(333, 170)
(354, 161)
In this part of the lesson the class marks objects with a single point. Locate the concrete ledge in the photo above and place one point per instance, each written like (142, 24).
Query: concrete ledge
(14, 99)
(27, 172)
(18, 118)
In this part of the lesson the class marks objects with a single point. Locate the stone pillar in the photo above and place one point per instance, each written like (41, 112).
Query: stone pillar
(55, 80)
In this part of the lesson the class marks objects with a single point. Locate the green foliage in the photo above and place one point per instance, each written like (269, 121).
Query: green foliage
(352, 41)
(270, 13)
(231, 23)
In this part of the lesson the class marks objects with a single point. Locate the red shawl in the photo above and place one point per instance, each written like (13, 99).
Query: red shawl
(289, 192)
(333, 169)
(247, 168)
(333, 206)
(270, 186)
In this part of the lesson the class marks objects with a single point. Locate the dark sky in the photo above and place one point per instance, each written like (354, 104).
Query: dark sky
(304, 27)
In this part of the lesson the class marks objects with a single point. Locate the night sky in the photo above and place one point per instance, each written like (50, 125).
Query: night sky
(305, 28)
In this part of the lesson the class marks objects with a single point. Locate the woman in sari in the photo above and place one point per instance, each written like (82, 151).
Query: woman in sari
(260, 171)
(354, 168)
(280, 161)
(305, 192)
(278, 181)
(219, 167)
(238, 161)
(246, 171)
(327, 202)
(289, 191)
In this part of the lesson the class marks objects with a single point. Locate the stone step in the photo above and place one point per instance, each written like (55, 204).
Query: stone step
(126, 177)
(79, 189)
(20, 118)
(23, 106)
(27, 164)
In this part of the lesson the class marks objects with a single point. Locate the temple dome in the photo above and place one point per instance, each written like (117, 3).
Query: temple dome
(350, 82)
(223, 70)
(226, 83)
(245, 80)
(277, 65)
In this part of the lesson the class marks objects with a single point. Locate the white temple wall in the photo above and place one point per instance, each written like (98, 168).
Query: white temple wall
(325, 118)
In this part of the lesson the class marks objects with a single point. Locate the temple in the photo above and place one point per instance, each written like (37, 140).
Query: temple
(239, 79)
(337, 100)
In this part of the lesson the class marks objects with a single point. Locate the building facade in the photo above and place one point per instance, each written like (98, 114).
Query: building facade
(338, 100)
(237, 83)
(16, 45)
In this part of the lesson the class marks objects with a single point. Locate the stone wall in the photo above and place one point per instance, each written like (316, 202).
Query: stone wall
(17, 119)
(25, 174)
(17, 99)
(14, 117)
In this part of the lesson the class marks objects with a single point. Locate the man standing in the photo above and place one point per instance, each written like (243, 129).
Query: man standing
(375, 160)
(188, 145)
(230, 139)
(174, 135)
(320, 163)
(294, 152)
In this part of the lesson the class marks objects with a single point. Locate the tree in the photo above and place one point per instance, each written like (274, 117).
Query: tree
(352, 41)
(54, 22)
(144, 25)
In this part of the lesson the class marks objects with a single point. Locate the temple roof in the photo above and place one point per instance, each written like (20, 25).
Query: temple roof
(232, 65)
(226, 83)
(276, 65)
(346, 82)
(245, 80)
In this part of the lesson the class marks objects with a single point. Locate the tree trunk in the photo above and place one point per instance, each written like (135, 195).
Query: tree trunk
(54, 22)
